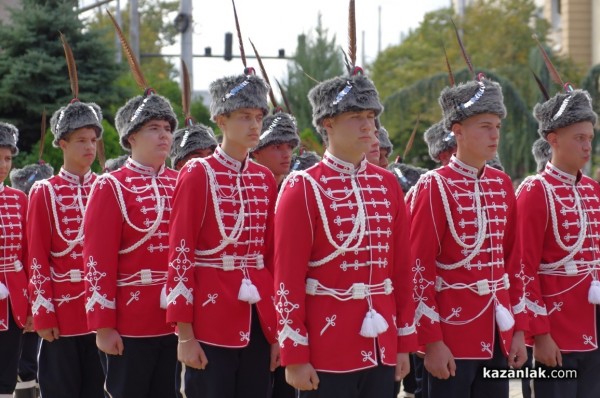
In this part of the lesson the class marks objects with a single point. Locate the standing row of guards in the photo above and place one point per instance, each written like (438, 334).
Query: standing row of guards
(208, 281)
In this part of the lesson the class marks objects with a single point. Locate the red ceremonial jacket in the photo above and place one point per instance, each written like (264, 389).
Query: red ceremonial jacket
(559, 225)
(220, 238)
(55, 236)
(462, 239)
(341, 251)
(13, 207)
(126, 250)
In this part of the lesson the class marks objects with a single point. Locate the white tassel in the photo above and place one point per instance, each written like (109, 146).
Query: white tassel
(379, 322)
(163, 297)
(373, 325)
(594, 293)
(504, 319)
(248, 292)
(3, 291)
(368, 326)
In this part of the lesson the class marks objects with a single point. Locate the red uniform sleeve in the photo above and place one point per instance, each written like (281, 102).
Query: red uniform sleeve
(187, 215)
(530, 230)
(39, 235)
(428, 227)
(295, 220)
(102, 228)
(513, 265)
(403, 277)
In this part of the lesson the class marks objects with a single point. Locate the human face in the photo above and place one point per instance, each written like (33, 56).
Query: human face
(198, 153)
(374, 153)
(275, 157)
(351, 134)
(572, 146)
(5, 162)
(477, 139)
(79, 148)
(151, 144)
(241, 128)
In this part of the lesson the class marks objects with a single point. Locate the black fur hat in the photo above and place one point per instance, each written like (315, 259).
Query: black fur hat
(343, 94)
(439, 140)
(472, 98)
(140, 110)
(190, 139)
(9, 135)
(278, 128)
(23, 179)
(542, 153)
(564, 109)
(231, 93)
(75, 116)
(406, 174)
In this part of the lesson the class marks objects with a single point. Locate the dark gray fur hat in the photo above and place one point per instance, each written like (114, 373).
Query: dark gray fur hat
(23, 179)
(9, 135)
(542, 153)
(439, 140)
(139, 111)
(384, 140)
(304, 160)
(472, 98)
(190, 139)
(406, 174)
(231, 93)
(564, 109)
(75, 116)
(115, 163)
(278, 128)
(495, 163)
(343, 94)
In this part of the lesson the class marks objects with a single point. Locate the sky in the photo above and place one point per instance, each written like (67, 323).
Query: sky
(276, 24)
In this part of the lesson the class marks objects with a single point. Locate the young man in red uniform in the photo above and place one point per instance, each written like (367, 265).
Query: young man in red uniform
(220, 282)
(27, 382)
(125, 254)
(68, 360)
(279, 138)
(195, 141)
(559, 228)
(14, 303)
(466, 283)
(342, 272)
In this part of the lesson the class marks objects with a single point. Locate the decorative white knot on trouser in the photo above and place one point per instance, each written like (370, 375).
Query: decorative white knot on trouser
(248, 292)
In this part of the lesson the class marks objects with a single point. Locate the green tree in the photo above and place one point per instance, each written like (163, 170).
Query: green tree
(518, 132)
(33, 68)
(154, 35)
(317, 58)
(497, 35)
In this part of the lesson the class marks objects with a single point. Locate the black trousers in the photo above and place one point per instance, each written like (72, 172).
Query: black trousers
(145, 370)
(28, 360)
(469, 381)
(421, 377)
(369, 383)
(231, 372)
(9, 356)
(281, 389)
(586, 385)
(70, 368)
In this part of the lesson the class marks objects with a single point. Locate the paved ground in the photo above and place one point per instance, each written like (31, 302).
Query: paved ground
(515, 390)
